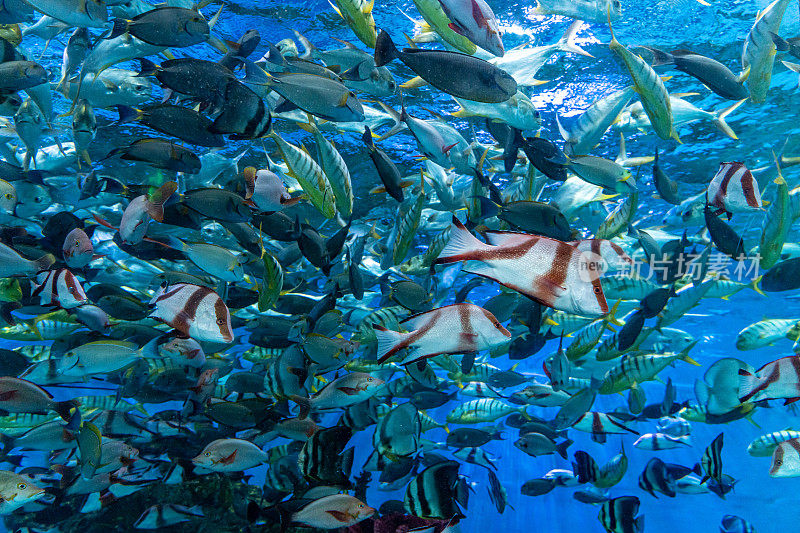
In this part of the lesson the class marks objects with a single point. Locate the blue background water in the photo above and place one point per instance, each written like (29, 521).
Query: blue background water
(718, 31)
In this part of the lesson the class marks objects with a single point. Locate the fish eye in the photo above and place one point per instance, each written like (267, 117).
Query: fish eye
(207, 454)
(360, 505)
(597, 290)
(22, 486)
(370, 379)
(220, 321)
(778, 462)
(9, 196)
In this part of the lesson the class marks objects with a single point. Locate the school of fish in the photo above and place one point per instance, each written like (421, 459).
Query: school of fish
(220, 269)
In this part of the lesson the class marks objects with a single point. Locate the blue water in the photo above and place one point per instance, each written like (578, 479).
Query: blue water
(575, 82)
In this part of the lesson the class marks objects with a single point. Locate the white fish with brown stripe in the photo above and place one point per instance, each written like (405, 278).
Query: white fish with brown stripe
(193, 310)
(777, 379)
(786, 459)
(453, 329)
(552, 272)
(734, 190)
(59, 288)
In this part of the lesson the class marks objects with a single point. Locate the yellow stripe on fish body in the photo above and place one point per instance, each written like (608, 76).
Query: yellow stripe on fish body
(481, 410)
(624, 286)
(17, 423)
(358, 15)
(608, 348)
(586, 339)
(309, 175)
(776, 226)
(335, 169)
(683, 301)
(261, 354)
(635, 369)
(434, 15)
(408, 223)
(650, 88)
(764, 445)
(437, 244)
(34, 352)
(618, 219)
(759, 50)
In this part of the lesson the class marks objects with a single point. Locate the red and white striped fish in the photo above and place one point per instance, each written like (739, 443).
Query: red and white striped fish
(733, 189)
(459, 328)
(60, 288)
(778, 379)
(193, 310)
(555, 273)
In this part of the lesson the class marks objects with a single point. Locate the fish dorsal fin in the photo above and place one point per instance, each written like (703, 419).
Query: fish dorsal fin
(507, 238)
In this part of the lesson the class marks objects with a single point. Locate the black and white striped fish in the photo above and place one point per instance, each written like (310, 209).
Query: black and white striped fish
(712, 460)
(585, 467)
(193, 310)
(433, 493)
(618, 515)
(323, 457)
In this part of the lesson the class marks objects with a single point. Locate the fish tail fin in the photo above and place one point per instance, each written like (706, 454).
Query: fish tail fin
(389, 342)
(747, 384)
(461, 246)
(385, 50)
(562, 448)
(611, 318)
(488, 207)
(120, 27)
(755, 287)
(7, 443)
(126, 114)
(146, 68)
(685, 353)
(723, 126)
(304, 404)
(155, 204)
(567, 41)
(367, 137)
(561, 129)
(309, 48)
(45, 262)
(639, 523)
(398, 121)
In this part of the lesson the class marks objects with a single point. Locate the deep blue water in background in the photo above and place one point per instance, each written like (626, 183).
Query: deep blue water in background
(718, 31)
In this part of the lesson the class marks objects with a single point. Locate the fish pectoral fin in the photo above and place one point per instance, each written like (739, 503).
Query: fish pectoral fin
(456, 28)
(229, 459)
(339, 515)
(350, 391)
